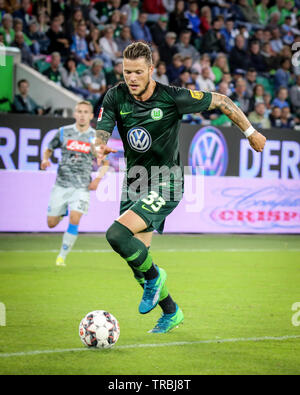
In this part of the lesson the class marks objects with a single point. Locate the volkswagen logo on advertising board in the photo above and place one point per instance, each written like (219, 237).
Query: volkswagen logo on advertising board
(139, 139)
(208, 152)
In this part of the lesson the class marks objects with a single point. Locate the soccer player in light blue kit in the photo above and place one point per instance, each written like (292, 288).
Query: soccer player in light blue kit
(73, 182)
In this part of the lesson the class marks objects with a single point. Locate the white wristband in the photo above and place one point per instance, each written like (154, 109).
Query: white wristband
(249, 131)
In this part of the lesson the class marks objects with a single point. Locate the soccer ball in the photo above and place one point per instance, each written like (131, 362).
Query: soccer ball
(99, 329)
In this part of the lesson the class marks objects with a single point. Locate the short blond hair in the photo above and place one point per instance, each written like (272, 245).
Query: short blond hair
(85, 102)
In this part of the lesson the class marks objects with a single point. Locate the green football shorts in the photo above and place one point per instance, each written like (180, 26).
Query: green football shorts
(153, 208)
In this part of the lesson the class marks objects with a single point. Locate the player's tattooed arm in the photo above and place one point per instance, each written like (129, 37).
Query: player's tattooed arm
(100, 144)
(233, 112)
(102, 137)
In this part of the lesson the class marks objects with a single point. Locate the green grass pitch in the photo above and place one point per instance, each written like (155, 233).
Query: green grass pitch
(236, 293)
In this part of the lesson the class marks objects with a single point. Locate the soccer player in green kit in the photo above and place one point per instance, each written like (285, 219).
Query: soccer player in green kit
(148, 116)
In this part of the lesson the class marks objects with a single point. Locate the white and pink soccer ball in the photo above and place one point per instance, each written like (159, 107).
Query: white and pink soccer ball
(99, 329)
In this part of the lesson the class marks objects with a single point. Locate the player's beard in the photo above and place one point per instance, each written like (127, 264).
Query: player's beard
(145, 89)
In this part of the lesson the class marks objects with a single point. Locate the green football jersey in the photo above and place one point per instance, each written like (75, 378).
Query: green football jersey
(149, 129)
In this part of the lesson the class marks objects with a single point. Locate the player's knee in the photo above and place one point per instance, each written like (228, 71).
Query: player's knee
(117, 234)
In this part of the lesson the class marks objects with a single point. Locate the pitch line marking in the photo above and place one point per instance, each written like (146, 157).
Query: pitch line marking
(152, 345)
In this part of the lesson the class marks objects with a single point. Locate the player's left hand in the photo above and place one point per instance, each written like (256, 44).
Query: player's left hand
(94, 184)
(102, 151)
(257, 141)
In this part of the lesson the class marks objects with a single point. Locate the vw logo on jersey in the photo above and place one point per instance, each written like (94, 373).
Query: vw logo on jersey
(139, 139)
(208, 152)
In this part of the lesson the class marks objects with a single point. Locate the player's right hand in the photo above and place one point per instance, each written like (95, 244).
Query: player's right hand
(103, 150)
(257, 141)
(45, 164)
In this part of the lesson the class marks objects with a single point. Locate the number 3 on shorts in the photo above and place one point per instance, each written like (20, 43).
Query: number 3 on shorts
(154, 201)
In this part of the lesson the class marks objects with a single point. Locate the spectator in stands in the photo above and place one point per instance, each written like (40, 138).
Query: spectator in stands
(114, 21)
(174, 69)
(26, 54)
(238, 57)
(267, 36)
(58, 41)
(257, 60)
(115, 75)
(271, 59)
(286, 52)
(7, 29)
(23, 103)
(283, 75)
(102, 10)
(240, 95)
(183, 79)
(228, 79)
(139, 29)
(281, 98)
(217, 118)
(286, 119)
(249, 13)
(19, 27)
(267, 101)
(159, 30)
(124, 39)
(42, 20)
(159, 74)
(204, 62)
(258, 117)
(109, 45)
(295, 96)
(94, 80)
(79, 47)
(258, 35)
(155, 57)
(276, 42)
(40, 41)
(224, 88)
(205, 20)
(251, 77)
(54, 71)
(213, 41)
(273, 22)
(177, 20)
(188, 63)
(131, 10)
(257, 96)
(204, 82)
(71, 80)
(24, 13)
(288, 31)
(279, 8)
(220, 66)
(229, 33)
(154, 8)
(167, 49)
(262, 12)
(93, 43)
(184, 46)
(192, 15)
(73, 22)
(194, 73)
(123, 21)
(275, 117)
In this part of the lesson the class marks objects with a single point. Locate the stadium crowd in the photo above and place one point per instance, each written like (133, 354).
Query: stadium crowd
(240, 48)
